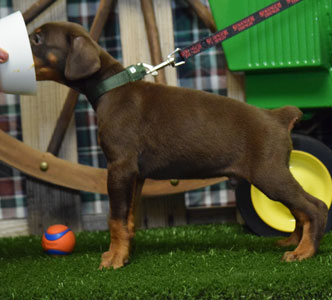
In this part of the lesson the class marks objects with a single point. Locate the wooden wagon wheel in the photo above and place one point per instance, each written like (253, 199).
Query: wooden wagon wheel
(47, 167)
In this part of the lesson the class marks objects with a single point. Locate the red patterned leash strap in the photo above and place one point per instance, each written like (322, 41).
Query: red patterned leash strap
(236, 28)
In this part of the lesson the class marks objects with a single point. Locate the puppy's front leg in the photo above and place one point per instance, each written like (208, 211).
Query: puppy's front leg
(121, 183)
(135, 204)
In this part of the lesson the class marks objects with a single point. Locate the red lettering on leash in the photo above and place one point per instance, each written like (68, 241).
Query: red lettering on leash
(271, 10)
(244, 24)
(185, 53)
(218, 37)
(196, 48)
(209, 41)
(292, 1)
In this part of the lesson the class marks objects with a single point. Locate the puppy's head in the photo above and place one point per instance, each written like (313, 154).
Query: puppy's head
(64, 52)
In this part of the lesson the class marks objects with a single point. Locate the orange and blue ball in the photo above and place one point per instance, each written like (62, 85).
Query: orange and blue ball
(58, 240)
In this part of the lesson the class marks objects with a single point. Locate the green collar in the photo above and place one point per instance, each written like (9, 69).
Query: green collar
(131, 73)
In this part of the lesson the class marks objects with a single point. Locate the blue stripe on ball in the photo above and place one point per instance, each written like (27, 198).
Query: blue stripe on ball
(55, 236)
(56, 252)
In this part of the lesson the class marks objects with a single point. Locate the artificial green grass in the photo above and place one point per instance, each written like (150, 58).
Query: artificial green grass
(191, 262)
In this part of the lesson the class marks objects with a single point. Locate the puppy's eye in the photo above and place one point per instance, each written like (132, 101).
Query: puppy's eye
(37, 39)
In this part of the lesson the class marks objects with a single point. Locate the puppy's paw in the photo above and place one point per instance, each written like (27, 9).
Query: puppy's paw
(290, 256)
(113, 259)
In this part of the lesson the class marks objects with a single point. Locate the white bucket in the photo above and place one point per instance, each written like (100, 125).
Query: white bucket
(17, 75)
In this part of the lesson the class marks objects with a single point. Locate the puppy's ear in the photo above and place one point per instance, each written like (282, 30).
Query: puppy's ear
(82, 60)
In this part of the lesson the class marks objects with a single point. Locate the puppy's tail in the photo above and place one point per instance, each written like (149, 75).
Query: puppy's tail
(288, 116)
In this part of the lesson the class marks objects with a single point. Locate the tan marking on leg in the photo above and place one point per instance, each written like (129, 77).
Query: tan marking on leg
(131, 216)
(306, 247)
(294, 238)
(131, 223)
(118, 252)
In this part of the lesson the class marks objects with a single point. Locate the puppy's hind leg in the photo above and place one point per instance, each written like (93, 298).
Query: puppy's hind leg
(313, 229)
(310, 213)
(295, 237)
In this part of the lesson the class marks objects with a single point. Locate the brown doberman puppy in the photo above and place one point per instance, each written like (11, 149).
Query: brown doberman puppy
(149, 130)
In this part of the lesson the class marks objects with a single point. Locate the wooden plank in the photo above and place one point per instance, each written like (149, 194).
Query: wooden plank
(163, 211)
(15, 227)
(235, 85)
(164, 18)
(95, 222)
(164, 187)
(39, 115)
(37, 8)
(50, 204)
(210, 215)
(135, 47)
(152, 33)
(203, 13)
(60, 171)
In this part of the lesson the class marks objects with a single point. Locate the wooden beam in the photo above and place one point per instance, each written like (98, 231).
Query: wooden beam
(13, 227)
(100, 19)
(135, 46)
(153, 38)
(60, 172)
(203, 13)
(35, 9)
(63, 122)
(235, 85)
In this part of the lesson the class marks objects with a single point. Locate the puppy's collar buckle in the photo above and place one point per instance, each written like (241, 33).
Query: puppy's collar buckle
(170, 61)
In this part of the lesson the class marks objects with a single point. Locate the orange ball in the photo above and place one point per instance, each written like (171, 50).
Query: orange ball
(58, 240)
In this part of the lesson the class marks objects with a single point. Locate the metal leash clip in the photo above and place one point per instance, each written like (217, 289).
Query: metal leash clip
(153, 70)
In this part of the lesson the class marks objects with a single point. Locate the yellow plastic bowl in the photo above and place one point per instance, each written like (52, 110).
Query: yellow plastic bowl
(315, 179)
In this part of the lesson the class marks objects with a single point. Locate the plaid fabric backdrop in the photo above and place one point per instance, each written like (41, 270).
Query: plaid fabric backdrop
(205, 72)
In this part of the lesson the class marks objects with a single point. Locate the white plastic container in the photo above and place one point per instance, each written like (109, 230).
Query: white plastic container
(17, 75)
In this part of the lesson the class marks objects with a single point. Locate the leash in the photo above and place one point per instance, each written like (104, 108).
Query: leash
(223, 34)
(179, 56)
(236, 28)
